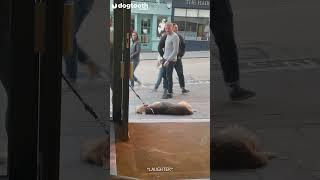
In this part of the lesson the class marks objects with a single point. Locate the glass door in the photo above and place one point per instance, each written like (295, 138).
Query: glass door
(145, 32)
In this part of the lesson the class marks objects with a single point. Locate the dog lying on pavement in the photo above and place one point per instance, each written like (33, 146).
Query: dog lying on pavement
(166, 108)
(237, 148)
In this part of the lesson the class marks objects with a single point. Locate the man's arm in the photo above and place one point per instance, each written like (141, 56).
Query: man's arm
(175, 51)
(161, 45)
(182, 46)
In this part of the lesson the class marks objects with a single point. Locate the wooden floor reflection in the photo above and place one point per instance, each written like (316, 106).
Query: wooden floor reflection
(178, 150)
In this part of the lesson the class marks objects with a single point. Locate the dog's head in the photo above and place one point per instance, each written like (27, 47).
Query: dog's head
(187, 106)
(142, 109)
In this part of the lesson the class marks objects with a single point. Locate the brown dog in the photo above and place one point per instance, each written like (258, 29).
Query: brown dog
(236, 148)
(97, 152)
(168, 108)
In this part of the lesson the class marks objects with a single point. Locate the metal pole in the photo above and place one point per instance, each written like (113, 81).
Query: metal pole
(126, 59)
(23, 122)
(50, 93)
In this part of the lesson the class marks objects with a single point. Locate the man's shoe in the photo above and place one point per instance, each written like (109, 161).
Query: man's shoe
(169, 95)
(165, 94)
(239, 94)
(185, 90)
(154, 90)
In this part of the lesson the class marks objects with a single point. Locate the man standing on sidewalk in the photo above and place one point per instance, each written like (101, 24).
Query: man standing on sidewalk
(221, 24)
(178, 65)
(171, 49)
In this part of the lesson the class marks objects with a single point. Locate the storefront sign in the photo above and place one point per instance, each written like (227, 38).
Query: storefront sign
(194, 4)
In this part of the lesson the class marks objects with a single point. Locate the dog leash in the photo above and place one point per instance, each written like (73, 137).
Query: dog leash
(136, 94)
(140, 98)
(86, 105)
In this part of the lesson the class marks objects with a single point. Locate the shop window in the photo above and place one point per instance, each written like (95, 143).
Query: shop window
(194, 24)
(192, 13)
(145, 31)
(180, 12)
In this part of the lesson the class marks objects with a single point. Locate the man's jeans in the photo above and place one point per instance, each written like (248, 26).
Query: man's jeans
(82, 9)
(179, 69)
(168, 82)
(221, 24)
(160, 76)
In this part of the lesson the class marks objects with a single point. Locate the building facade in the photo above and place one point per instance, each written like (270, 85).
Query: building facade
(192, 17)
(148, 21)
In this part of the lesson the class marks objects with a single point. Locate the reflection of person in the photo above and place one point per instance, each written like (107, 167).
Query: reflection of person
(221, 24)
(178, 65)
(161, 26)
(135, 56)
(82, 9)
(6, 69)
(5, 62)
(171, 49)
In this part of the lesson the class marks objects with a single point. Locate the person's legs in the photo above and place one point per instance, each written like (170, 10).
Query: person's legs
(72, 64)
(179, 69)
(165, 83)
(221, 24)
(160, 76)
(135, 79)
(169, 71)
(223, 31)
(82, 9)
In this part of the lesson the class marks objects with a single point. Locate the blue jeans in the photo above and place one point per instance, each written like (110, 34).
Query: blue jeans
(135, 65)
(82, 9)
(159, 79)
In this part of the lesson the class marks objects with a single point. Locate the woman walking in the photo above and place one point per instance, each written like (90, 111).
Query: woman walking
(135, 55)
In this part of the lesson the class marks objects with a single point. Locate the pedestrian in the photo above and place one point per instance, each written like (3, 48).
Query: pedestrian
(221, 24)
(82, 9)
(171, 49)
(161, 73)
(160, 68)
(135, 56)
(178, 65)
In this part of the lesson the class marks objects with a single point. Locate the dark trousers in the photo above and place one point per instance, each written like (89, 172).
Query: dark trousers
(221, 24)
(179, 69)
(82, 9)
(168, 82)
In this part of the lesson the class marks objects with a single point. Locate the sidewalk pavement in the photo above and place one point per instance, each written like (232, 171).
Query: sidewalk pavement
(188, 55)
(197, 79)
(284, 115)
